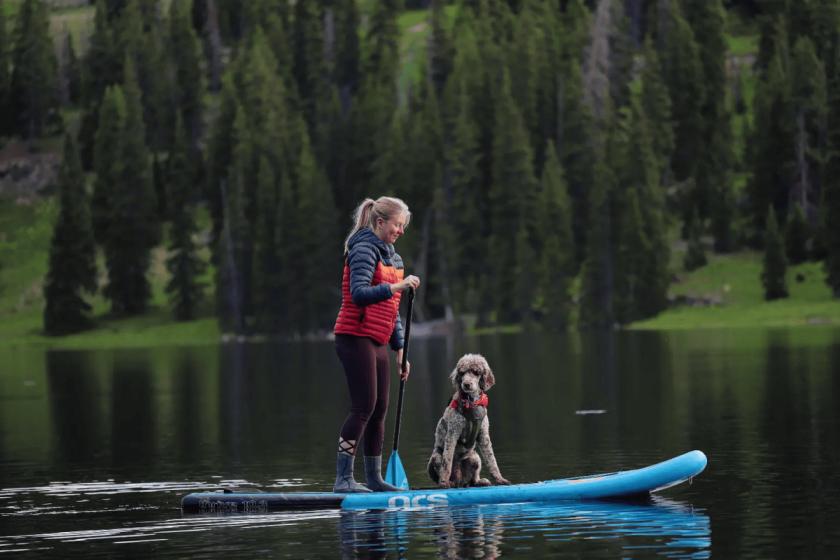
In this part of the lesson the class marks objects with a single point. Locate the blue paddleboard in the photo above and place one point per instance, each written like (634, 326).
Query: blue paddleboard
(622, 484)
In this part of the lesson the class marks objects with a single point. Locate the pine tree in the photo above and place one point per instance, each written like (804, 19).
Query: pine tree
(524, 287)
(632, 250)
(773, 164)
(512, 197)
(72, 262)
(596, 67)
(830, 233)
(133, 229)
(775, 262)
(99, 70)
(213, 47)
(156, 75)
(715, 158)
(683, 73)
(463, 199)
(695, 255)
(198, 15)
(440, 51)
(319, 267)
(641, 173)
(5, 109)
(278, 37)
(33, 90)
(220, 145)
(114, 8)
(383, 43)
(271, 304)
(548, 63)
(370, 117)
(556, 266)
(72, 72)
(393, 165)
(771, 34)
(160, 180)
(128, 32)
(189, 78)
(308, 51)
(723, 204)
(797, 236)
(184, 287)
(231, 281)
(622, 53)
(810, 111)
(108, 162)
(524, 74)
(578, 154)
(424, 137)
(826, 239)
(348, 55)
(597, 273)
(577, 23)
(656, 105)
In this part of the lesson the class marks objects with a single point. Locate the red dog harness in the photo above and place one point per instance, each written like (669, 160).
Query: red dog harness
(468, 404)
(474, 413)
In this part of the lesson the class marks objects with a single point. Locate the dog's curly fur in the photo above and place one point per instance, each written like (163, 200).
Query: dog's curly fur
(454, 461)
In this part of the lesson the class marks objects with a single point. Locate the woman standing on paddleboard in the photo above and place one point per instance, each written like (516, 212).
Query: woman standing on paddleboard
(371, 287)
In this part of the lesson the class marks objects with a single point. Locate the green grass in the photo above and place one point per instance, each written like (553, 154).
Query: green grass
(741, 45)
(76, 21)
(11, 7)
(734, 282)
(25, 231)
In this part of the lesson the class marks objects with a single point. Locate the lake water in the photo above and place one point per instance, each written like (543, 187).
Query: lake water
(97, 447)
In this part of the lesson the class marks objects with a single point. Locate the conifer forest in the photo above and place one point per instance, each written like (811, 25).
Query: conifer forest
(553, 152)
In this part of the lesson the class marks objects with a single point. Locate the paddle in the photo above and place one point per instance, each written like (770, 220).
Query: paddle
(395, 473)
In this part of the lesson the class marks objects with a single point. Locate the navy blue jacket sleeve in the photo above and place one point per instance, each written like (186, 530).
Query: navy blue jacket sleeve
(397, 338)
(362, 260)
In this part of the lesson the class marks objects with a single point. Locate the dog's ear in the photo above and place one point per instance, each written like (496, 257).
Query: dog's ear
(487, 378)
(453, 377)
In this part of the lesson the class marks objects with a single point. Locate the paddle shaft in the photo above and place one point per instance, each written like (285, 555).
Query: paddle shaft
(402, 368)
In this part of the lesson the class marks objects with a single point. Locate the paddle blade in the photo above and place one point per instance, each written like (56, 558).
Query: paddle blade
(395, 473)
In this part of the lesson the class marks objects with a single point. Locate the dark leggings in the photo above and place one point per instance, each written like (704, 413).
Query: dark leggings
(368, 370)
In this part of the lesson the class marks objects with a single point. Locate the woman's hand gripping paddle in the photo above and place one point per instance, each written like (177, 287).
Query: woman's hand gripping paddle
(395, 473)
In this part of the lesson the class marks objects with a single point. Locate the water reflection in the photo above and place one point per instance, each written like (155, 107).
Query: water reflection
(97, 447)
(70, 386)
(660, 527)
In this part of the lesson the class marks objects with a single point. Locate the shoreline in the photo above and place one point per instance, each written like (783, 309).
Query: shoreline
(136, 333)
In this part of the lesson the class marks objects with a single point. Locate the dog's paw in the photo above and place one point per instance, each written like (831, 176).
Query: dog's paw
(502, 481)
(443, 484)
(482, 482)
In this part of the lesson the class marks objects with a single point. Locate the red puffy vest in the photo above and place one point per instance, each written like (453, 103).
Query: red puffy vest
(376, 320)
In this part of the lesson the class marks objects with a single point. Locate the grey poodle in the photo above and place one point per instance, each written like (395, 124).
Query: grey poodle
(464, 424)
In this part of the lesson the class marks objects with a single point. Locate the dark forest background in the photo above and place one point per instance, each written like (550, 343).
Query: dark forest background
(553, 153)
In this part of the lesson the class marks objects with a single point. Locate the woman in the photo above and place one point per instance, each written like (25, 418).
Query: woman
(371, 288)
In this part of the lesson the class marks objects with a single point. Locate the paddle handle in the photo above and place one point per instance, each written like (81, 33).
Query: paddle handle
(402, 368)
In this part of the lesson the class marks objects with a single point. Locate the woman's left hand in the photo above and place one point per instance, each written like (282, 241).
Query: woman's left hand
(403, 374)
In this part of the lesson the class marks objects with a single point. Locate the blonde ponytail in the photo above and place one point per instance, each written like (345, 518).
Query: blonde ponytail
(369, 210)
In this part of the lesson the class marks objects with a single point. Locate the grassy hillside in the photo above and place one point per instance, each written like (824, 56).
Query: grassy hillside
(25, 232)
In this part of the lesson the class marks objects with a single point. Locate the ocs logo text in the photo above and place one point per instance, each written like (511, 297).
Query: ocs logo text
(419, 500)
